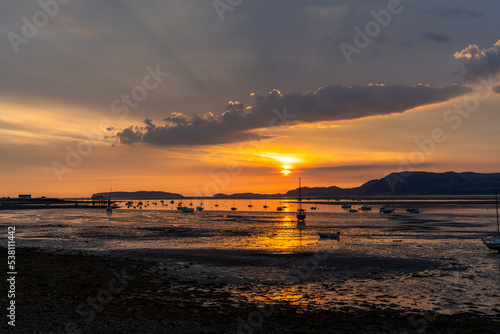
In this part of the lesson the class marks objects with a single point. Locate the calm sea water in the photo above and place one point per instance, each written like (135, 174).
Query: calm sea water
(429, 261)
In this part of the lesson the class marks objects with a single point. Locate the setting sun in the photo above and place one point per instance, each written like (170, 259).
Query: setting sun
(286, 172)
(286, 163)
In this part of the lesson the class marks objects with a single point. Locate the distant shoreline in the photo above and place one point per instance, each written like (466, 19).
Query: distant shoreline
(398, 201)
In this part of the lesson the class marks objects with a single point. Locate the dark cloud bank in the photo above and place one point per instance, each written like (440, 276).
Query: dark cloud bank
(325, 104)
(480, 62)
(331, 103)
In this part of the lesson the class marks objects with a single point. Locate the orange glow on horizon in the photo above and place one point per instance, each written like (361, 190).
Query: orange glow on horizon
(344, 154)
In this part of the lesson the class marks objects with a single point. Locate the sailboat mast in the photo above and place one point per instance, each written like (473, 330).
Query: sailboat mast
(300, 195)
(498, 224)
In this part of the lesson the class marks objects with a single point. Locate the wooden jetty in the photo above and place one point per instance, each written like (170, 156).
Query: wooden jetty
(54, 203)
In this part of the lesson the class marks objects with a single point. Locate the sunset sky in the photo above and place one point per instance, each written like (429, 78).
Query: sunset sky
(243, 96)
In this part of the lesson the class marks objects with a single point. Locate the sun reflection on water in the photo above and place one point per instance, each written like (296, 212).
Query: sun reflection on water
(283, 237)
(289, 295)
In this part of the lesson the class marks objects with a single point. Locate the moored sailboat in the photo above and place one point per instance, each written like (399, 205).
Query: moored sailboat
(366, 207)
(301, 214)
(200, 207)
(495, 244)
(386, 209)
(109, 208)
(280, 207)
(335, 235)
(414, 210)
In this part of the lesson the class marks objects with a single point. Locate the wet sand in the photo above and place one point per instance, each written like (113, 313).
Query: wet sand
(176, 292)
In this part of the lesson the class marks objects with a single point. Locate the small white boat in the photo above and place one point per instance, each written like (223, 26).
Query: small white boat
(172, 202)
(346, 206)
(495, 244)
(353, 210)
(387, 208)
(200, 208)
(414, 210)
(185, 209)
(335, 235)
(366, 207)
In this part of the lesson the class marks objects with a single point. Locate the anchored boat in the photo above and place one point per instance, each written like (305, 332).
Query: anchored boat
(335, 235)
(301, 214)
(495, 244)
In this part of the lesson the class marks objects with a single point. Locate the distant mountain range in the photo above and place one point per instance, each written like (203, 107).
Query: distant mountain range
(138, 195)
(414, 183)
(404, 183)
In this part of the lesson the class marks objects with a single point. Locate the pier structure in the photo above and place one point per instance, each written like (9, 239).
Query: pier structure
(54, 203)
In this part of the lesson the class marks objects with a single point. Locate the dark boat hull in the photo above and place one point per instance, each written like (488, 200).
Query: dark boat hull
(493, 245)
(329, 235)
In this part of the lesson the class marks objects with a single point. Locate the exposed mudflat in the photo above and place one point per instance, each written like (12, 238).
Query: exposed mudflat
(386, 273)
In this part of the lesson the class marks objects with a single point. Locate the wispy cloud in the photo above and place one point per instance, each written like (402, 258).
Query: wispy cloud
(457, 12)
(440, 38)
